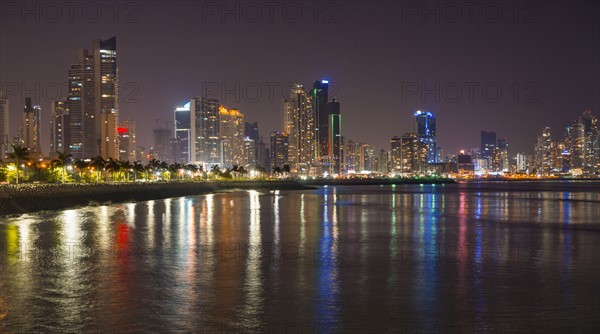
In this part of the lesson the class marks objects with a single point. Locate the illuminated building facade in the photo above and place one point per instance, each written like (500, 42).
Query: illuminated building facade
(59, 123)
(299, 125)
(204, 132)
(336, 146)
(542, 152)
(231, 133)
(30, 128)
(426, 130)
(182, 126)
(93, 101)
(279, 149)
(127, 140)
(4, 119)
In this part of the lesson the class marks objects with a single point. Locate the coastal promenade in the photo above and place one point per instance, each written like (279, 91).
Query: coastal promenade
(29, 198)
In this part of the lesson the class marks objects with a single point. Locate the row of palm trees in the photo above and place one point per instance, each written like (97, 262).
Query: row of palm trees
(112, 170)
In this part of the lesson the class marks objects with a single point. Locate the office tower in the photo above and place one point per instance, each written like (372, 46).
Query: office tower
(231, 134)
(4, 135)
(590, 125)
(542, 152)
(351, 155)
(503, 153)
(162, 144)
(336, 148)
(249, 153)
(59, 124)
(94, 101)
(382, 162)
(488, 143)
(413, 154)
(426, 130)
(279, 149)
(263, 155)
(204, 132)
(30, 128)
(127, 140)
(395, 154)
(251, 131)
(182, 123)
(299, 125)
(366, 156)
(576, 144)
(522, 165)
(319, 96)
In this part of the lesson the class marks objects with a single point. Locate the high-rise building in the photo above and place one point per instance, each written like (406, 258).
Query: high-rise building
(576, 144)
(426, 130)
(396, 155)
(31, 126)
(263, 155)
(204, 132)
(251, 131)
(319, 96)
(352, 157)
(59, 124)
(543, 152)
(503, 155)
(522, 165)
(162, 144)
(94, 101)
(231, 133)
(127, 140)
(591, 146)
(249, 153)
(336, 148)
(279, 149)
(382, 162)
(366, 155)
(413, 154)
(488, 144)
(299, 125)
(182, 123)
(4, 135)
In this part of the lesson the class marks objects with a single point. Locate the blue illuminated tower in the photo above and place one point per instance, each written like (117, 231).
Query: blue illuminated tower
(426, 130)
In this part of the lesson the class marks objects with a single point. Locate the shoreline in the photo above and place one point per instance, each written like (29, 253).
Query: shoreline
(34, 198)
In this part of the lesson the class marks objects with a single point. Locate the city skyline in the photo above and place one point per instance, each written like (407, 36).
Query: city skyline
(388, 94)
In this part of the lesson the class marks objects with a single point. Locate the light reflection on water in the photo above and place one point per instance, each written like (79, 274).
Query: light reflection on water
(337, 259)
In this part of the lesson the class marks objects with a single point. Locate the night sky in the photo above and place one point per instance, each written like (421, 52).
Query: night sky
(376, 53)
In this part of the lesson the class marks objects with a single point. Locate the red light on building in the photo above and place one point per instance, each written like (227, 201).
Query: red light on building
(122, 131)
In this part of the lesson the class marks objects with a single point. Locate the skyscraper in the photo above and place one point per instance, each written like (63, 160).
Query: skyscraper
(59, 124)
(542, 152)
(182, 122)
(30, 128)
(205, 143)
(426, 130)
(94, 102)
(127, 140)
(299, 125)
(251, 131)
(3, 125)
(279, 149)
(162, 144)
(319, 97)
(503, 154)
(336, 147)
(396, 154)
(577, 146)
(488, 144)
(231, 133)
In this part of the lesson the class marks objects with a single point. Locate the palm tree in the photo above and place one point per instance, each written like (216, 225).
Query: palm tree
(19, 153)
(80, 165)
(193, 169)
(98, 163)
(215, 170)
(61, 161)
(127, 167)
(285, 170)
(137, 168)
(276, 170)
